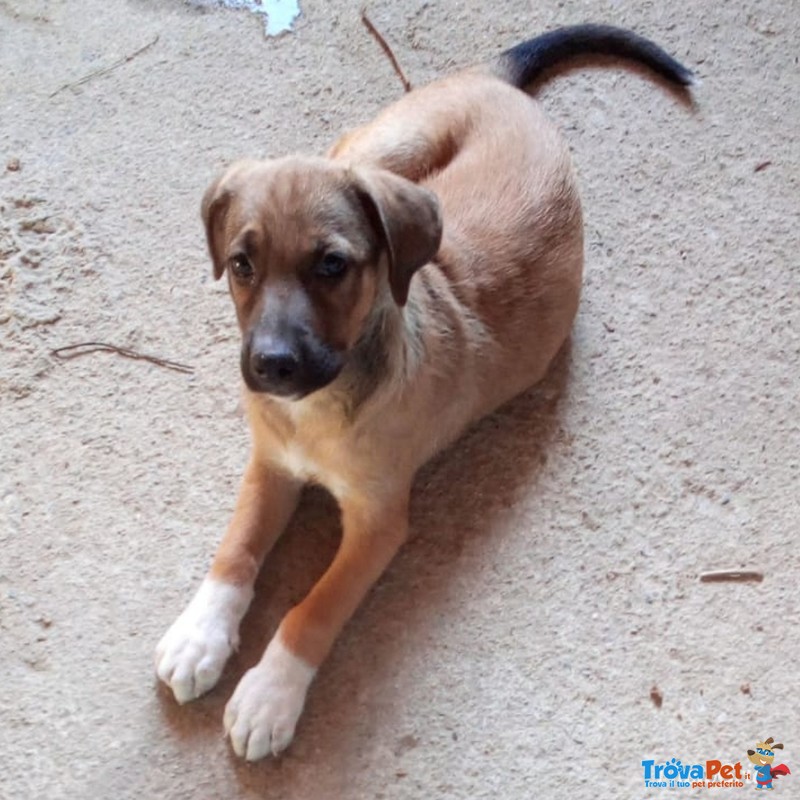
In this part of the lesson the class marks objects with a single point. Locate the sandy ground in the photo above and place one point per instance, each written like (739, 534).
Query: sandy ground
(552, 578)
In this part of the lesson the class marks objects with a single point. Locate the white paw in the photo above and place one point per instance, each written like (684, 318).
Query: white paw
(261, 716)
(192, 653)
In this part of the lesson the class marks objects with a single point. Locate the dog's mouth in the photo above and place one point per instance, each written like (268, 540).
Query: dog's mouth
(290, 373)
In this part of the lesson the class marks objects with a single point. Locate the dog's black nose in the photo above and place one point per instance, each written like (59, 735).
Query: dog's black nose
(287, 366)
(274, 368)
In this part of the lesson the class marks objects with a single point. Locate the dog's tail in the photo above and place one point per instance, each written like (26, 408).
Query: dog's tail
(526, 62)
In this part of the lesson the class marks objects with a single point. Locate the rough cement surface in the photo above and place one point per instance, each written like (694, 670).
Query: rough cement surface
(552, 579)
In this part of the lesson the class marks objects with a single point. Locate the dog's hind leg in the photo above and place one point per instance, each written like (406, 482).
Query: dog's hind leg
(422, 132)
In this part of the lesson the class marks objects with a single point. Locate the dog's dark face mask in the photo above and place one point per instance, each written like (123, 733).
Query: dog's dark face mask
(303, 242)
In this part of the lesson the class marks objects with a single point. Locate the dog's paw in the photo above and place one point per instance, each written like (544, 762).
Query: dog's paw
(192, 653)
(261, 716)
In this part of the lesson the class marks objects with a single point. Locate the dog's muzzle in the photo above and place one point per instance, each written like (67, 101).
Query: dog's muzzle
(290, 369)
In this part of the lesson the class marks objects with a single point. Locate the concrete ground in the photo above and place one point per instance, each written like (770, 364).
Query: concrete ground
(545, 631)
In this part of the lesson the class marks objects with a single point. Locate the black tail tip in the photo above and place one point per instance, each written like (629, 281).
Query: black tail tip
(529, 60)
(685, 77)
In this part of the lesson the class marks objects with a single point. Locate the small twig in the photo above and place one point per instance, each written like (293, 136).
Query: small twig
(386, 49)
(84, 348)
(762, 166)
(105, 70)
(734, 575)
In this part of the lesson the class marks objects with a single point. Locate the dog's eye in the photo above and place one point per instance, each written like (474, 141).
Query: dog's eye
(332, 265)
(241, 267)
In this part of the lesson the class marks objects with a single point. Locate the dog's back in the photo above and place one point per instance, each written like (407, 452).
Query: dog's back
(512, 249)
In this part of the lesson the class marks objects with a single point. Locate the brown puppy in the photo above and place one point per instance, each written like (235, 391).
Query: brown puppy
(422, 274)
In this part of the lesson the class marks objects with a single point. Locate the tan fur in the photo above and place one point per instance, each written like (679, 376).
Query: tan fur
(482, 320)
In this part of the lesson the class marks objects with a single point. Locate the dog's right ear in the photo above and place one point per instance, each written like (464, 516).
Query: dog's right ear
(214, 209)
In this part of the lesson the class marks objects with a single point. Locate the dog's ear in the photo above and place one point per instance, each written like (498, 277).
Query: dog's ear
(214, 209)
(408, 219)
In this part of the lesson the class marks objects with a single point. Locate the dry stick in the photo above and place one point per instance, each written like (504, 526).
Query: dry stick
(93, 347)
(104, 70)
(735, 575)
(386, 49)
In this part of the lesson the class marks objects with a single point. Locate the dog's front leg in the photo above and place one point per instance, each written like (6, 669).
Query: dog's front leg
(192, 653)
(261, 716)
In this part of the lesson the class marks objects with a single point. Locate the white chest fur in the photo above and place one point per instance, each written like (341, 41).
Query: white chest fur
(295, 460)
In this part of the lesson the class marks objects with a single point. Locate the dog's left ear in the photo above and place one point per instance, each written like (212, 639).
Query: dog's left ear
(409, 220)
(213, 209)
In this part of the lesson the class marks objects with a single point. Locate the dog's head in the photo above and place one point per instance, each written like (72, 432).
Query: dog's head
(310, 247)
(764, 753)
